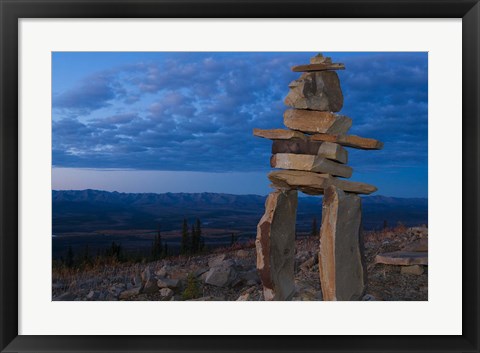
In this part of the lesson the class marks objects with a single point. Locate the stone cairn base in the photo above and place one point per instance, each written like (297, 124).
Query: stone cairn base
(312, 159)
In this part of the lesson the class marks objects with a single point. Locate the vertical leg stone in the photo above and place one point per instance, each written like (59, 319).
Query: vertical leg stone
(341, 258)
(275, 245)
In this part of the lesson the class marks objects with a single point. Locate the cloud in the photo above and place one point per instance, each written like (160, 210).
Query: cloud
(196, 111)
(93, 92)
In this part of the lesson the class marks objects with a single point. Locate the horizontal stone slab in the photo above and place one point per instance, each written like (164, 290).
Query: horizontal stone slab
(279, 134)
(318, 67)
(314, 183)
(344, 140)
(350, 141)
(296, 146)
(310, 163)
(402, 258)
(311, 121)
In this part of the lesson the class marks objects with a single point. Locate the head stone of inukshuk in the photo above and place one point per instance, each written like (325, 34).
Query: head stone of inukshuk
(311, 157)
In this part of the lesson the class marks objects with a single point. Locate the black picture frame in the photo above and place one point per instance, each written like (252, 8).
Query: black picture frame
(13, 10)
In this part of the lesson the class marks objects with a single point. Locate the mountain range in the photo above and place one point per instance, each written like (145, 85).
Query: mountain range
(91, 210)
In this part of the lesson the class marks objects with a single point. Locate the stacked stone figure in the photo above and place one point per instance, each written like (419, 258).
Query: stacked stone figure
(312, 159)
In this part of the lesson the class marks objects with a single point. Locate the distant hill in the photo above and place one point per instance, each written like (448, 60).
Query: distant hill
(93, 210)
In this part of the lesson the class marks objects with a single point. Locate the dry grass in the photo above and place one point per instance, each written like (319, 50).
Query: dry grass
(385, 234)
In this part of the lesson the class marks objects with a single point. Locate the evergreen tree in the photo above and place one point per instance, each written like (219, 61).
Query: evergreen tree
(196, 237)
(157, 247)
(115, 251)
(69, 259)
(193, 240)
(185, 242)
(199, 236)
(165, 249)
(314, 231)
(86, 255)
(232, 239)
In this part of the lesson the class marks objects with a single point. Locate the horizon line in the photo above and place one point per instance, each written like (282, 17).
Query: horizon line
(301, 194)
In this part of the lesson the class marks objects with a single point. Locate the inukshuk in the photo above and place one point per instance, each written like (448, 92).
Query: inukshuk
(313, 158)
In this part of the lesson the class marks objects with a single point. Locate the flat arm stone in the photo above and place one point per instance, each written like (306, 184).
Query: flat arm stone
(350, 141)
(279, 134)
(314, 183)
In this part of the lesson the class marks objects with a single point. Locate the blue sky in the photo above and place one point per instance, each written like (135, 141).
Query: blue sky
(159, 122)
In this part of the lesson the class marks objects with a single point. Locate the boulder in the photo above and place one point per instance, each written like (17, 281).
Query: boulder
(166, 294)
(65, 297)
(93, 295)
(227, 262)
(178, 273)
(216, 261)
(242, 254)
(203, 276)
(220, 276)
(275, 245)
(310, 163)
(341, 260)
(412, 270)
(162, 272)
(168, 283)
(316, 91)
(129, 293)
(148, 284)
(146, 275)
(251, 278)
(243, 297)
(136, 280)
(117, 288)
(313, 122)
(200, 271)
(369, 298)
(150, 287)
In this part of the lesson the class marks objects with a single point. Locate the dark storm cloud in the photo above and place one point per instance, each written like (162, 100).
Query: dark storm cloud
(196, 111)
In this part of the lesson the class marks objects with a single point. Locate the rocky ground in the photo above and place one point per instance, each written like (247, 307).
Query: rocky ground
(230, 274)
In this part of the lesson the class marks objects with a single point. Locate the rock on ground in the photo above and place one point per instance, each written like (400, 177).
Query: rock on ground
(129, 293)
(413, 270)
(166, 293)
(168, 283)
(220, 276)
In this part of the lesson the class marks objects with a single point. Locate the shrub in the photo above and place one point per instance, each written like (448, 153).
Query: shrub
(192, 289)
